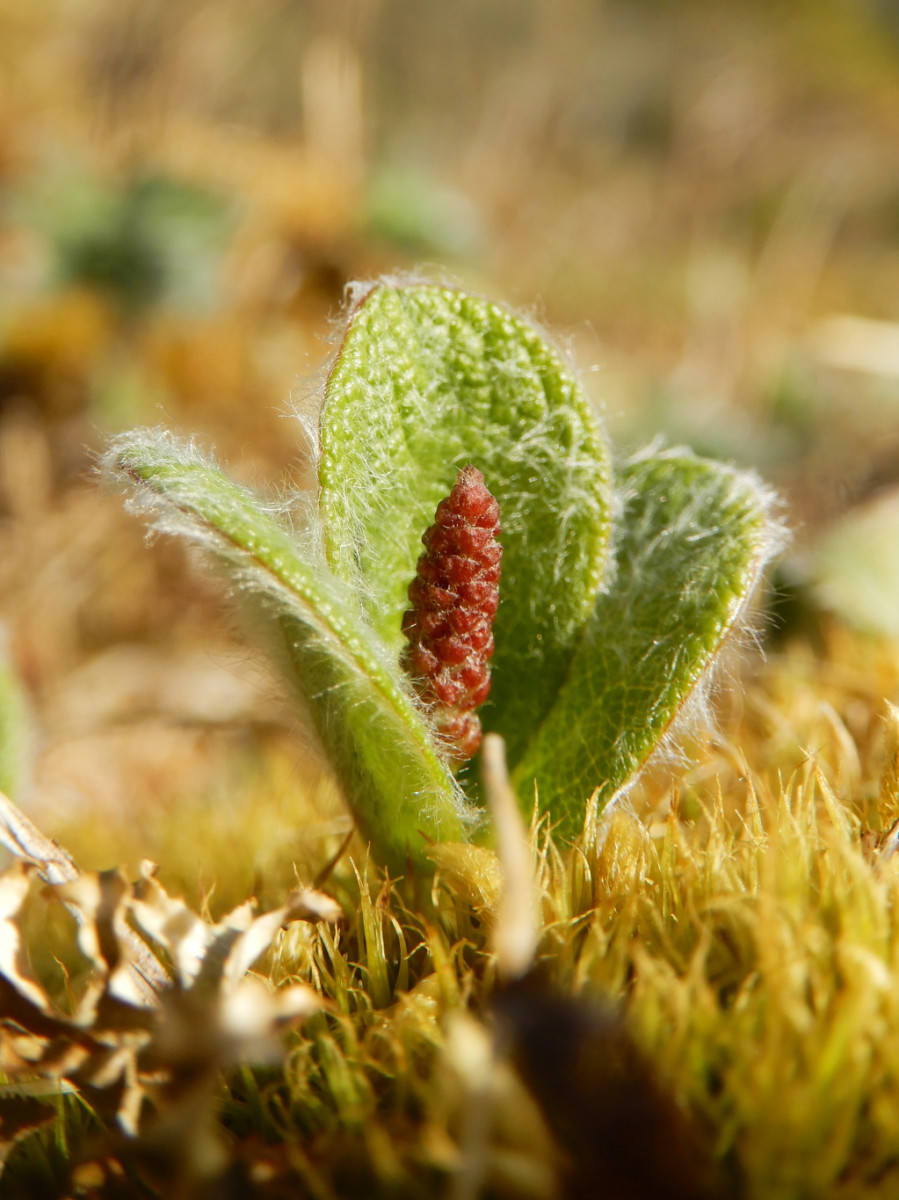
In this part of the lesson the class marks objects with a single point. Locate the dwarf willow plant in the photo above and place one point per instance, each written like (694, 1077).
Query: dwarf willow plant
(619, 582)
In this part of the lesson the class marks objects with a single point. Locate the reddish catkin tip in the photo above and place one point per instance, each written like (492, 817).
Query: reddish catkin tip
(454, 599)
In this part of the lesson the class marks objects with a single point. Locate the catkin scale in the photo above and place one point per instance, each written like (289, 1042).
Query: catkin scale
(454, 598)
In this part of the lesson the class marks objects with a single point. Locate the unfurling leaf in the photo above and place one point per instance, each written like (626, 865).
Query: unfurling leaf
(378, 739)
(689, 547)
(428, 380)
(615, 598)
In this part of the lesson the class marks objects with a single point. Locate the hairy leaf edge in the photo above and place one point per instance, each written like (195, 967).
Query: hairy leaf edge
(119, 467)
(694, 708)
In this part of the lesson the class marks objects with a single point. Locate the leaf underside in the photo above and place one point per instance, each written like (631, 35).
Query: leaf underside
(428, 380)
(378, 741)
(691, 540)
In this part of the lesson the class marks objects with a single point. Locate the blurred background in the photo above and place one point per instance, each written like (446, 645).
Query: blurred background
(700, 200)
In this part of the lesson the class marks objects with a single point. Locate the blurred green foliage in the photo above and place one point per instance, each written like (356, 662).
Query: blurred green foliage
(148, 240)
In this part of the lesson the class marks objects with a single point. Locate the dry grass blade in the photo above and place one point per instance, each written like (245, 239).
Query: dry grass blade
(25, 840)
(516, 930)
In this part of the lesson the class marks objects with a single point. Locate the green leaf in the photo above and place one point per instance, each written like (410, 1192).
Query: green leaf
(853, 566)
(689, 545)
(380, 745)
(427, 380)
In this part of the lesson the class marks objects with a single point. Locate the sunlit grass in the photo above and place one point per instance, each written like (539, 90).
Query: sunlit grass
(752, 946)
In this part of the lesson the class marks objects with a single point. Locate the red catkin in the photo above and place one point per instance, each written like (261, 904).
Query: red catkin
(454, 598)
